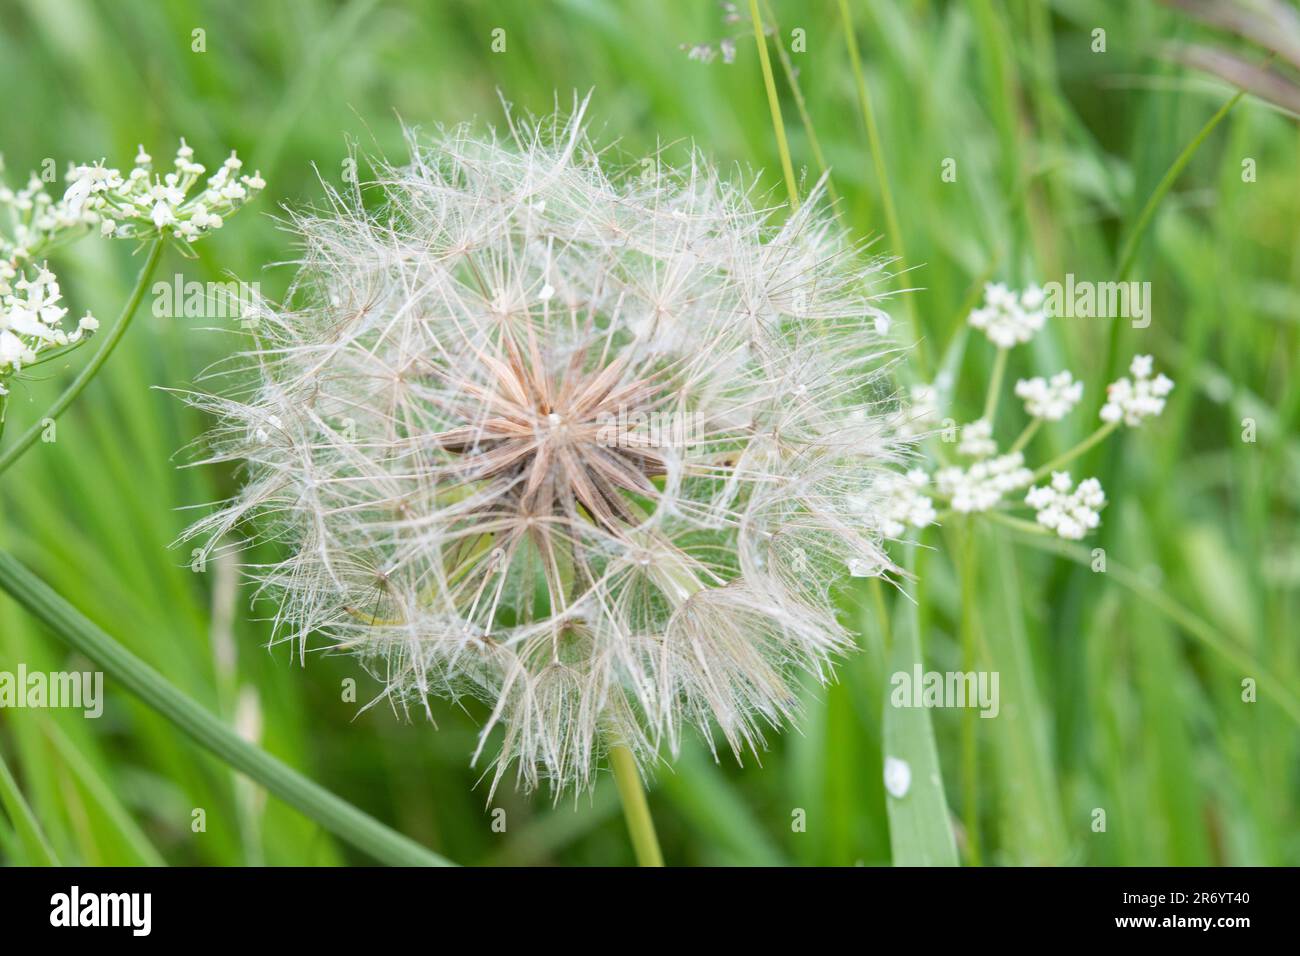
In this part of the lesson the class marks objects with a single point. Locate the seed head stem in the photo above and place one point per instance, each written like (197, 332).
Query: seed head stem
(640, 825)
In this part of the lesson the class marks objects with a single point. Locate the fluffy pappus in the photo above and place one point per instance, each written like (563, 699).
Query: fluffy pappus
(593, 444)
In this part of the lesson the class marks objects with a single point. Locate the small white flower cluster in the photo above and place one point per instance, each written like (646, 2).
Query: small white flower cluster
(1008, 317)
(31, 220)
(707, 53)
(977, 440)
(1049, 399)
(31, 319)
(981, 486)
(904, 503)
(144, 203)
(1070, 512)
(138, 205)
(1141, 397)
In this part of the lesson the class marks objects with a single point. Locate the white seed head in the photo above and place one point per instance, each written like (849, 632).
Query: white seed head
(580, 443)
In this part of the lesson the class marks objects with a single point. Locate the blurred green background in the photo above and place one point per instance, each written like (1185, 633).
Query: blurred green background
(1112, 695)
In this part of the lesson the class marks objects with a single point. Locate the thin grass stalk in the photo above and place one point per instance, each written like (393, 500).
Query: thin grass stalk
(778, 126)
(792, 80)
(1283, 694)
(1128, 252)
(892, 229)
(873, 133)
(995, 386)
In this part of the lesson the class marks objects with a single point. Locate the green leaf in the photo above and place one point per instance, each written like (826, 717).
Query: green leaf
(1033, 832)
(920, 829)
(702, 794)
(30, 837)
(116, 822)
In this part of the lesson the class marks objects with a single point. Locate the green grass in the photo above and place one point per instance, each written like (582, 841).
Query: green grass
(1121, 691)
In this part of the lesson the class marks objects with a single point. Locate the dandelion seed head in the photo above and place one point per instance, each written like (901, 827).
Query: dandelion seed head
(589, 445)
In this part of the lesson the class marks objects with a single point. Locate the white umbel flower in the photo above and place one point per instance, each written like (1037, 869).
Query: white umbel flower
(982, 486)
(1070, 512)
(452, 432)
(1049, 399)
(1008, 317)
(904, 503)
(175, 203)
(31, 321)
(32, 223)
(1130, 401)
(977, 440)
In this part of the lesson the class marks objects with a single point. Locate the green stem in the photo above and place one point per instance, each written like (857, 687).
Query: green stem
(334, 814)
(640, 825)
(995, 386)
(882, 613)
(1019, 524)
(1069, 456)
(1129, 251)
(29, 437)
(769, 81)
(1026, 436)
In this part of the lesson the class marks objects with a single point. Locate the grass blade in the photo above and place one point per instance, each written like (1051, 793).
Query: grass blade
(27, 830)
(920, 830)
(336, 815)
